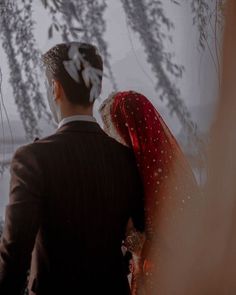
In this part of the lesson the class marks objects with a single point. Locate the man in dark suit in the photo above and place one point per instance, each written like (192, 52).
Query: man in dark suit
(71, 193)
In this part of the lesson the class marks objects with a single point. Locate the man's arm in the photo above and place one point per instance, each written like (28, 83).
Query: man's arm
(22, 220)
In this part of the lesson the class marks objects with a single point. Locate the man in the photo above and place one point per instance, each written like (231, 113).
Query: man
(71, 193)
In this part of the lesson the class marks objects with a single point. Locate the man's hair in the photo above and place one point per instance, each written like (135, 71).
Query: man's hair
(78, 92)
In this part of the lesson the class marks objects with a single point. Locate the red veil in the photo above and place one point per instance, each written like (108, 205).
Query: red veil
(163, 167)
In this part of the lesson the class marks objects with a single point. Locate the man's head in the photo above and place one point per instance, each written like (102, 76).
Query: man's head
(74, 74)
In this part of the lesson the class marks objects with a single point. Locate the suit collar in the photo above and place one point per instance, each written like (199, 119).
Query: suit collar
(76, 118)
(80, 126)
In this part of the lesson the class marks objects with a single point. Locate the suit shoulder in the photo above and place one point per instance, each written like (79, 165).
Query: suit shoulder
(34, 147)
(117, 144)
(124, 152)
(46, 139)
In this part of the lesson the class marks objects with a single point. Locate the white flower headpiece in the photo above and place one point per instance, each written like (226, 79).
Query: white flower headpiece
(91, 76)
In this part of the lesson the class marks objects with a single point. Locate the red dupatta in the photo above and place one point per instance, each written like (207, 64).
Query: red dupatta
(156, 150)
(167, 177)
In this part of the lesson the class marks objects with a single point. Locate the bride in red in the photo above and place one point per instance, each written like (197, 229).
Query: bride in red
(131, 119)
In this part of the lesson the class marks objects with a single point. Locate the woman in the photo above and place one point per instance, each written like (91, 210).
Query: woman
(168, 181)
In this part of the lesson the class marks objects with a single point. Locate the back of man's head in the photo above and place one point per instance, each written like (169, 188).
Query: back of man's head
(78, 67)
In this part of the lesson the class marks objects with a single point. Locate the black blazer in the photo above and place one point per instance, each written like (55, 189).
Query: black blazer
(71, 195)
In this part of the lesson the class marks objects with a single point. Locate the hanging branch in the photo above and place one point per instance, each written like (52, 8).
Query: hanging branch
(146, 18)
(96, 28)
(3, 111)
(56, 8)
(2, 151)
(3, 131)
(81, 20)
(209, 15)
(30, 57)
(8, 25)
(201, 11)
(78, 10)
(24, 63)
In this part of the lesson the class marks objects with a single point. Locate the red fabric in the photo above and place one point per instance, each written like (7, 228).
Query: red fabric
(157, 152)
(167, 177)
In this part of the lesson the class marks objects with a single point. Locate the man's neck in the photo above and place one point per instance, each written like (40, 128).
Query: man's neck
(76, 110)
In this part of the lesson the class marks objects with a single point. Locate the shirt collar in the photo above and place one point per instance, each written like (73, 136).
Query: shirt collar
(76, 118)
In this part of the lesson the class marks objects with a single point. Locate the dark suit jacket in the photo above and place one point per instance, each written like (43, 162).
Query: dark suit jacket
(71, 195)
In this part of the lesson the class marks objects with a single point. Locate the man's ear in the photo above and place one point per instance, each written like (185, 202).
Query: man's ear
(57, 89)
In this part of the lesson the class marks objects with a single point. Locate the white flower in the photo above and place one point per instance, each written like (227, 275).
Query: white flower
(71, 70)
(91, 76)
